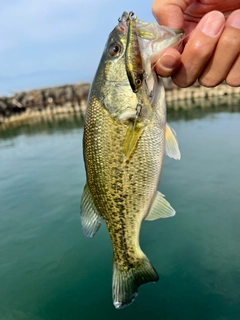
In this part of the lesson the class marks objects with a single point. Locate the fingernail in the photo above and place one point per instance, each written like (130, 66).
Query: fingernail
(234, 19)
(212, 23)
(168, 61)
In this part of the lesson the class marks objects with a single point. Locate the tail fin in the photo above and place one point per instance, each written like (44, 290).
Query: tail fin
(125, 283)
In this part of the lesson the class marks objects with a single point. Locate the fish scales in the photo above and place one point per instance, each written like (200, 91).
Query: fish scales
(122, 188)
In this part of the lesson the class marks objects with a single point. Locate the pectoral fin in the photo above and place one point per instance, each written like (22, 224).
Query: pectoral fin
(161, 208)
(171, 144)
(134, 132)
(91, 219)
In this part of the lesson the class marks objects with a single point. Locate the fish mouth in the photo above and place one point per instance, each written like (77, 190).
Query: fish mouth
(144, 43)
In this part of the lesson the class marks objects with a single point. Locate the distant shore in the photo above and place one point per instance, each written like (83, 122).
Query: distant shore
(72, 99)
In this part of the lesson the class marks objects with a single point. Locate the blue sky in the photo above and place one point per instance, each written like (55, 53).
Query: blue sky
(55, 42)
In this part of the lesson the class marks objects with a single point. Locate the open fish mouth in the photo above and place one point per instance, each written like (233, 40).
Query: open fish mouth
(144, 43)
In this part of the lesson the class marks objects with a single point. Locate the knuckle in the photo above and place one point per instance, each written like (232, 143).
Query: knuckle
(226, 41)
(154, 7)
(156, 10)
(229, 42)
(200, 50)
(181, 81)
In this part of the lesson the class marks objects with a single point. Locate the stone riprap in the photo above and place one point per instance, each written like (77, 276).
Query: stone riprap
(72, 98)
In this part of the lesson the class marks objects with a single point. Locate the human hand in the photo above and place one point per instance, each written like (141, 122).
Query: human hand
(211, 50)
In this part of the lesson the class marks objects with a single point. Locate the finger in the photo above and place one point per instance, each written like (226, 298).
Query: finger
(199, 48)
(203, 7)
(233, 77)
(170, 12)
(168, 62)
(227, 51)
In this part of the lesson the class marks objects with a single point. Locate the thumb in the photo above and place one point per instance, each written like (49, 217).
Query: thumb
(170, 12)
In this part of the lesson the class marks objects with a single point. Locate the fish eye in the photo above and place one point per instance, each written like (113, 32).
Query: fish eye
(138, 82)
(114, 49)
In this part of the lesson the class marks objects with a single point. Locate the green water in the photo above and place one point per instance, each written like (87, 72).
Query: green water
(50, 271)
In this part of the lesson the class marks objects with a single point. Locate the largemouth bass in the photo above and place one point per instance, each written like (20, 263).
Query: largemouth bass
(125, 137)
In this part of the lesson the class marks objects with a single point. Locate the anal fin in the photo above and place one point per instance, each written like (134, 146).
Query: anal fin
(91, 219)
(161, 208)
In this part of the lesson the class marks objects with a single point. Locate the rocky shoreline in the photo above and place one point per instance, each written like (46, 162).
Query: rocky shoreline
(72, 99)
(62, 99)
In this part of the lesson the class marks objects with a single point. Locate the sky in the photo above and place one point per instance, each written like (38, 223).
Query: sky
(55, 42)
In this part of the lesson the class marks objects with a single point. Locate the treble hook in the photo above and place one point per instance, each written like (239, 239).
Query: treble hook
(132, 16)
(138, 109)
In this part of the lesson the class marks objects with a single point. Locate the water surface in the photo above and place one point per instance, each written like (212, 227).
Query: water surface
(49, 270)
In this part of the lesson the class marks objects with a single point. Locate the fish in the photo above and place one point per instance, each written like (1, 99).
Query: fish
(124, 141)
